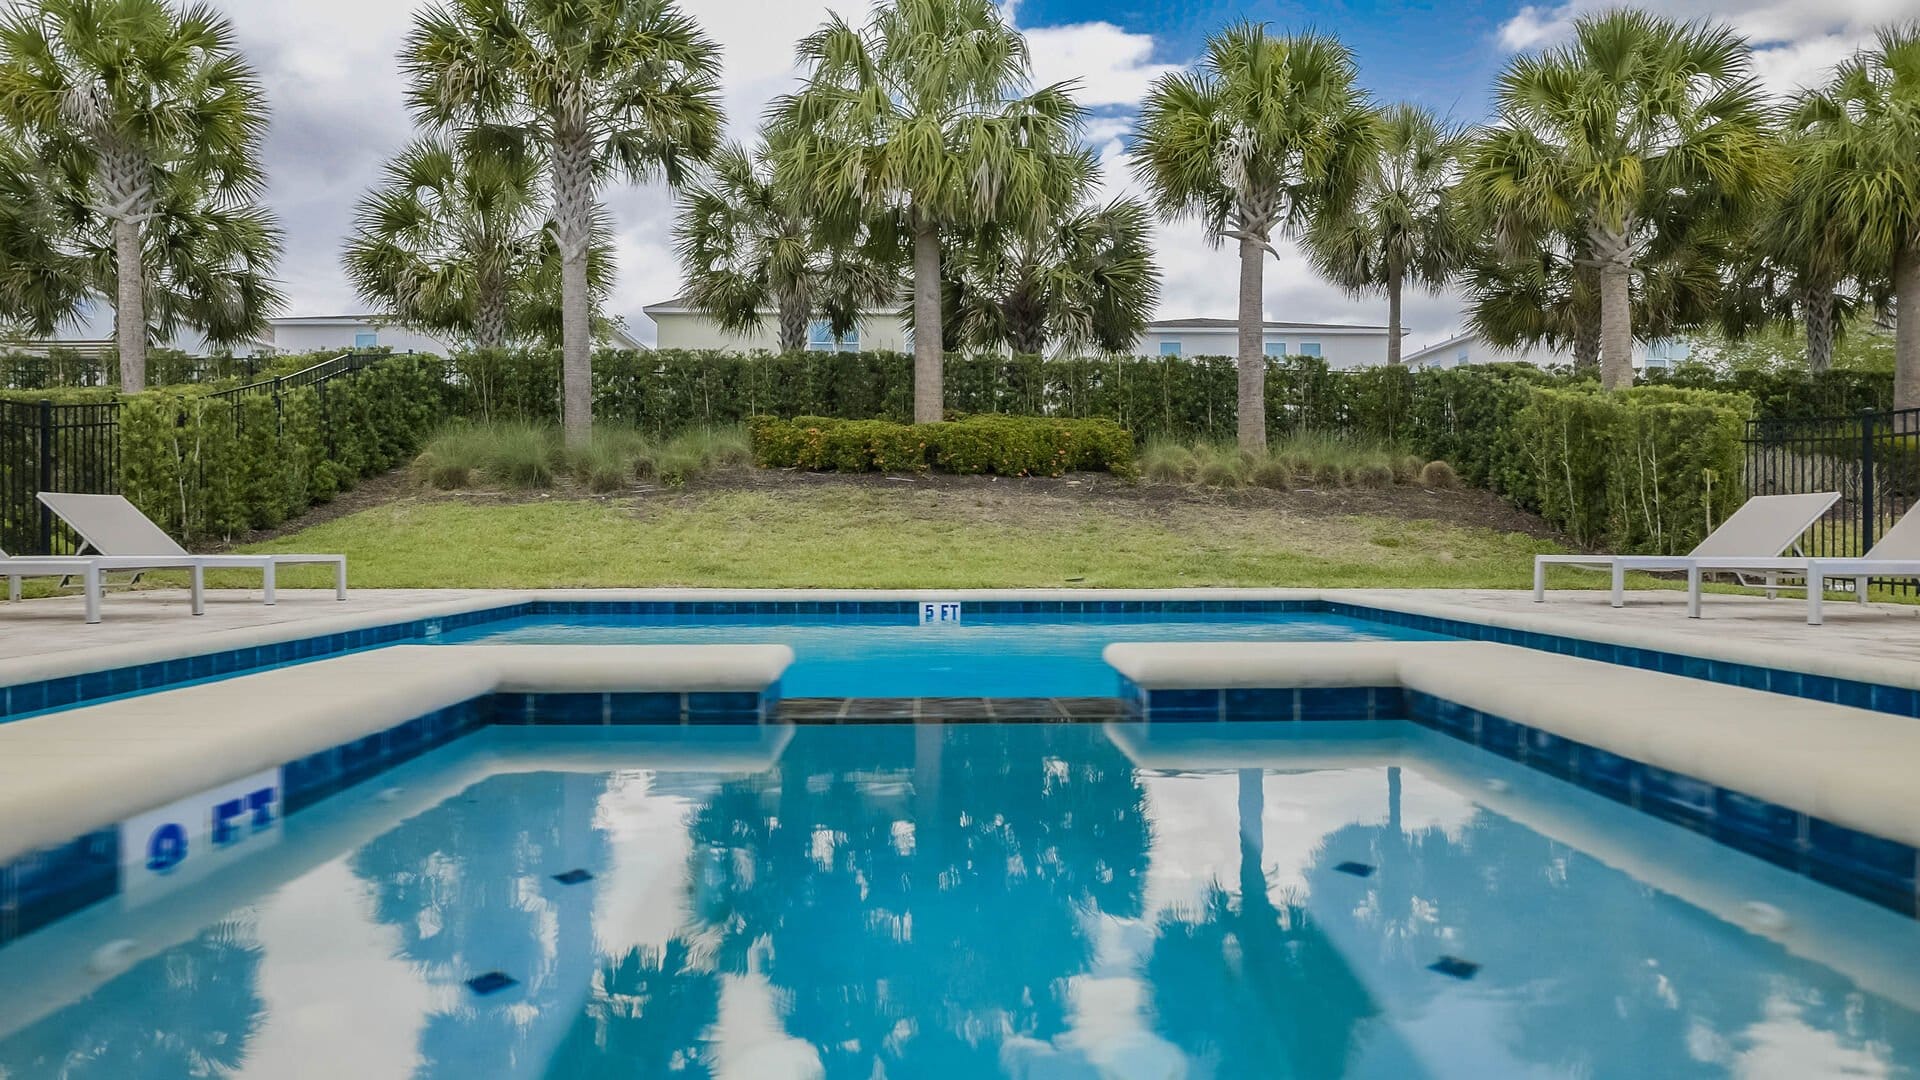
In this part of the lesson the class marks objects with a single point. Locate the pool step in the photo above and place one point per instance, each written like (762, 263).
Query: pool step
(829, 710)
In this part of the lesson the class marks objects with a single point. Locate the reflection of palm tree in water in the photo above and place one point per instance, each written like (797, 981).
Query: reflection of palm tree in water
(1252, 988)
(468, 887)
(914, 903)
(189, 1011)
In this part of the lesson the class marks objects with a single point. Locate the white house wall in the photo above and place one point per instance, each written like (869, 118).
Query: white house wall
(1340, 351)
(327, 337)
(686, 330)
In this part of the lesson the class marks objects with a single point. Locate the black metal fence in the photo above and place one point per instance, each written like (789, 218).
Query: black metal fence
(48, 446)
(1871, 458)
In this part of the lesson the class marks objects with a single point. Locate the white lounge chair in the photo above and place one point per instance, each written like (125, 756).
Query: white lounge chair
(89, 570)
(114, 527)
(1762, 528)
(1896, 554)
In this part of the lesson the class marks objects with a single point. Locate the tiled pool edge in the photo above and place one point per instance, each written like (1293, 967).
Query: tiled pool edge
(1883, 871)
(43, 886)
(29, 698)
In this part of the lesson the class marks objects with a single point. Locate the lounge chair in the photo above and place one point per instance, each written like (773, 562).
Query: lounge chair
(114, 527)
(1896, 554)
(1762, 528)
(89, 570)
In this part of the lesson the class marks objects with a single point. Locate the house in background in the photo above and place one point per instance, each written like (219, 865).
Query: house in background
(1342, 345)
(681, 326)
(93, 336)
(1469, 348)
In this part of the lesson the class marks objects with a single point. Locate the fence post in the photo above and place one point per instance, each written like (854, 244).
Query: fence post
(1867, 485)
(46, 474)
(279, 420)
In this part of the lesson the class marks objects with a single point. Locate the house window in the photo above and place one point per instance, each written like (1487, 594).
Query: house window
(366, 339)
(820, 338)
(1461, 356)
(1309, 348)
(1169, 348)
(1276, 348)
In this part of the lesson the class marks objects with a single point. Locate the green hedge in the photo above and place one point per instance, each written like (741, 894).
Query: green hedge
(204, 466)
(999, 445)
(1645, 470)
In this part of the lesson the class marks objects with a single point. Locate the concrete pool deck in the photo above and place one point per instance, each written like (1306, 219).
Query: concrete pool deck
(45, 638)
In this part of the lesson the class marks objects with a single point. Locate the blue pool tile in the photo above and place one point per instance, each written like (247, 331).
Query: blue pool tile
(646, 708)
(362, 755)
(569, 709)
(1454, 968)
(491, 982)
(1252, 704)
(1548, 752)
(1897, 700)
(1608, 773)
(701, 705)
(575, 876)
(1848, 850)
(26, 697)
(52, 883)
(1819, 688)
(1184, 701)
(1336, 703)
(62, 691)
(1500, 735)
(1675, 797)
(511, 710)
(1856, 695)
(1357, 869)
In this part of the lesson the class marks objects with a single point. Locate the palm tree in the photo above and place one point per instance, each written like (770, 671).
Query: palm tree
(42, 281)
(1858, 164)
(1082, 278)
(154, 121)
(925, 113)
(1402, 226)
(749, 240)
(1269, 133)
(609, 87)
(1639, 120)
(1792, 265)
(454, 241)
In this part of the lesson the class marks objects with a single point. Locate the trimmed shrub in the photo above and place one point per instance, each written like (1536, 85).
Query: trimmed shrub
(1439, 474)
(1000, 445)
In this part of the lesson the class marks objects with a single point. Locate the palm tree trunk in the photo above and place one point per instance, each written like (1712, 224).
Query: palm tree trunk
(1252, 358)
(490, 313)
(1906, 330)
(1616, 327)
(929, 397)
(1819, 317)
(130, 305)
(1393, 316)
(794, 317)
(1586, 322)
(573, 235)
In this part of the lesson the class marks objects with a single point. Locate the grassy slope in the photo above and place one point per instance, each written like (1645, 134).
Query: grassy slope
(883, 539)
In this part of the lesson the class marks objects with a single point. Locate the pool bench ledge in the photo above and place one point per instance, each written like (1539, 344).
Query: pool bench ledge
(1847, 766)
(66, 774)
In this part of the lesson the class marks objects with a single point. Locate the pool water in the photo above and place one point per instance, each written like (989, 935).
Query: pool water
(896, 657)
(973, 901)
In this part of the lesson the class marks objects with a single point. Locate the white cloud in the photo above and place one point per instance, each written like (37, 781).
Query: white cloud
(1111, 65)
(1795, 42)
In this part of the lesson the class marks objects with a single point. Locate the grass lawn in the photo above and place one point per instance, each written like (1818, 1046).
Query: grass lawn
(875, 536)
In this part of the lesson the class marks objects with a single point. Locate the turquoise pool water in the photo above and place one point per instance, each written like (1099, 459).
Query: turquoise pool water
(972, 901)
(895, 657)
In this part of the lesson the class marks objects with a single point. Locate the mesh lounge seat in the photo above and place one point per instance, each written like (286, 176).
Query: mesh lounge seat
(1761, 529)
(1896, 555)
(114, 527)
(89, 568)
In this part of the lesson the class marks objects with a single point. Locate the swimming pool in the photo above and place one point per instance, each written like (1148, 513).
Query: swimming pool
(893, 656)
(964, 901)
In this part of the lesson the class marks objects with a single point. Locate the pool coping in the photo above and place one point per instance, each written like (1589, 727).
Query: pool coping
(29, 685)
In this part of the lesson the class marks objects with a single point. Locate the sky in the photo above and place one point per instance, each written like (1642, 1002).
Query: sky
(338, 113)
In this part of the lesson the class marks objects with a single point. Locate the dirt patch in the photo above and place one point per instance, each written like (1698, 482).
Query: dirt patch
(987, 498)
